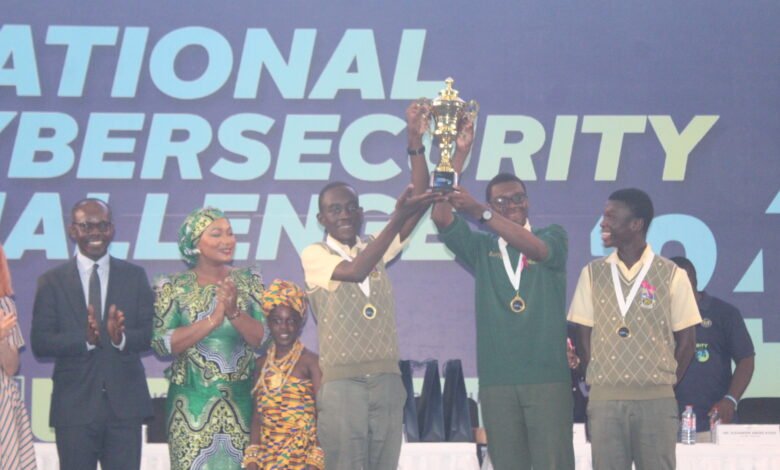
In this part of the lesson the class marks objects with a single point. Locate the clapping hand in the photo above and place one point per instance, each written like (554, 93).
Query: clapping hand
(226, 300)
(115, 324)
(93, 327)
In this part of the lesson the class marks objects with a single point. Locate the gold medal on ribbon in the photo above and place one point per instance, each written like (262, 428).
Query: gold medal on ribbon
(517, 304)
(369, 311)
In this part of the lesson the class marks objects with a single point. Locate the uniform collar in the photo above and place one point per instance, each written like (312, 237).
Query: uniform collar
(352, 251)
(613, 258)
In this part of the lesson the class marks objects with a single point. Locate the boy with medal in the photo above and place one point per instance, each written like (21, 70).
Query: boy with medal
(636, 316)
(520, 277)
(360, 403)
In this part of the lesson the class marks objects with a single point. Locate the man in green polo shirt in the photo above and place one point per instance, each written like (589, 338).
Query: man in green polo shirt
(520, 276)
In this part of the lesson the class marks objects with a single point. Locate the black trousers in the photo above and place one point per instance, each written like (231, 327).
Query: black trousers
(115, 442)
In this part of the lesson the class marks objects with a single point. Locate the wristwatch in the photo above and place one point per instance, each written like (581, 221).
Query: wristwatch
(487, 214)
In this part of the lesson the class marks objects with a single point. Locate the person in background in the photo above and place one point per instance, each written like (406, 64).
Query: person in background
(93, 315)
(16, 440)
(284, 425)
(721, 338)
(210, 319)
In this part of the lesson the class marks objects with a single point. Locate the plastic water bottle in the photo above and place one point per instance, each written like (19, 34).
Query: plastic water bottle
(714, 422)
(688, 426)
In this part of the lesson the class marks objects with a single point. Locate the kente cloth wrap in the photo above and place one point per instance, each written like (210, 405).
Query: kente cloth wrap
(191, 230)
(287, 409)
(209, 405)
(284, 293)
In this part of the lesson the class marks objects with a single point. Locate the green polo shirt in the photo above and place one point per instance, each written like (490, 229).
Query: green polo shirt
(516, 348)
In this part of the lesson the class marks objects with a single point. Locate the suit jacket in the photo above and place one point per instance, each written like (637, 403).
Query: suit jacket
(59, 326)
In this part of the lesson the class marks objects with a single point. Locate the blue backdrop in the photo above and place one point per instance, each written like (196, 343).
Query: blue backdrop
(160, 107)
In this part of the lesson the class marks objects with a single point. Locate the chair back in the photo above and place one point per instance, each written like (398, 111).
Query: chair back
(759, 410)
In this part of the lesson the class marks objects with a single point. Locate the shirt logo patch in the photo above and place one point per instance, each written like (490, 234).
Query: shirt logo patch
(646, 295)
(702, 352)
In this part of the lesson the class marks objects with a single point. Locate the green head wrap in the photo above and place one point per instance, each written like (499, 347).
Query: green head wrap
(191, 230)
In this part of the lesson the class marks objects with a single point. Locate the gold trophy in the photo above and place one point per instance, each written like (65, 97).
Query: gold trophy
(447, 115)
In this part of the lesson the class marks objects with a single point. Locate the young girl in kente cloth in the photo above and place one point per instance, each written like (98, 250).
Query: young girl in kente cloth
(284, 424)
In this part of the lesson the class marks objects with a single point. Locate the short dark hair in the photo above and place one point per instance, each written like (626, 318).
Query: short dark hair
(330, 186)
(89, 200)
(502, 178)
(638, 203)
(684, 263)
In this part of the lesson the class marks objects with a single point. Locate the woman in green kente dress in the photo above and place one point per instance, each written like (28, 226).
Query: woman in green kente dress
(210, 319)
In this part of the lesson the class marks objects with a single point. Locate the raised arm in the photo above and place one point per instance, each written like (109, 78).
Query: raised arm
(360, 267)
(417, 115)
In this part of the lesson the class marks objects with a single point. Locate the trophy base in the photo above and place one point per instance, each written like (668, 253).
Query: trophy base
(443, 181)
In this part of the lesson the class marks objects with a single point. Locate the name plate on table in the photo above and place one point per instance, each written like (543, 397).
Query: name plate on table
(749, 434)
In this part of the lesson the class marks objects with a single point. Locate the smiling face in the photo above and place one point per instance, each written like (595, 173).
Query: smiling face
(91, 228)
(619, 226)
(341, 214)
(509, 200)
(284, 324)
(217, 243)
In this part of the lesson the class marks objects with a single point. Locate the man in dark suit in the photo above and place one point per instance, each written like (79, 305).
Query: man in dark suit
(93, 315)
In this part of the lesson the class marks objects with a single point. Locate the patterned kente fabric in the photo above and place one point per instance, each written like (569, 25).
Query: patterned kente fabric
(209, 403)
(289, 426)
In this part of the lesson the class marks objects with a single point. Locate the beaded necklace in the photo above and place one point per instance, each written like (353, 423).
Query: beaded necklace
(276, 371)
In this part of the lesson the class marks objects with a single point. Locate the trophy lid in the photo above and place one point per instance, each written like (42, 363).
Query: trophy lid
(448, 93)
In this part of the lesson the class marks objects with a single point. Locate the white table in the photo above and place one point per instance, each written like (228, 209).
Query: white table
(701, 456)
(462, 456)
(414, 456)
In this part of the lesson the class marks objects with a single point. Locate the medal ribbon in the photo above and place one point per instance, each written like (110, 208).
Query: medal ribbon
(625, 302)
(514, 275)
(364, 284)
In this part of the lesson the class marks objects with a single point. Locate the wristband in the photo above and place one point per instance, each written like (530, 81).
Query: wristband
(732, 400)
(413, 152)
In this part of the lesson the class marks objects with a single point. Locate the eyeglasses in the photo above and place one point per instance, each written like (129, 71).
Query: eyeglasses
(87, 227)
(337, 209)
(517, 199)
